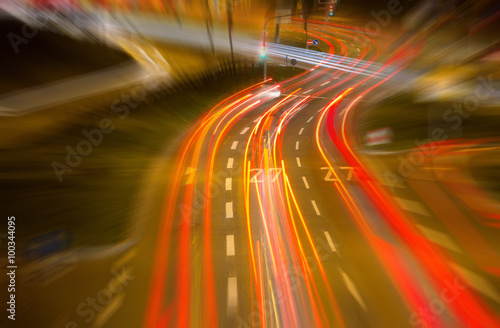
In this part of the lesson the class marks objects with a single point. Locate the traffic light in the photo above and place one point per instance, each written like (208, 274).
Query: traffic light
(331, 10)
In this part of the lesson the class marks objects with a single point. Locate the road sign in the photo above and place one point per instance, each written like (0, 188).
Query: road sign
(315, 42)
(293, 62)
(48, 244)
(309, 42)
(287, 19)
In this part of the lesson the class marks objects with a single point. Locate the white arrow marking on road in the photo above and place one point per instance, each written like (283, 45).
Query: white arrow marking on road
(108, 311)
(352, 289)
(192, 173)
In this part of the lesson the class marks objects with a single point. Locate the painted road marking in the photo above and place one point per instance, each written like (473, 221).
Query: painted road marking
(440, 238)
(229, 182)
(108, 311)
(353, 289)
(232, 293)
(305, 182)
(230, 162)
(330, 242)
(127, 257)
(244, 130)
(412, 206)
(230, 245)
(234, 145)
(296, 145)
(325, 83)
(315, 207)
(229, 210)
(307, 91)
(310, 119)
(477, 282)
(301, 130)
(298, 162)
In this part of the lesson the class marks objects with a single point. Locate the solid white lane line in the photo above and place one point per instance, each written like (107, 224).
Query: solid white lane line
(296, 145)
(229, 182)
(301, 130)
(232, 293)
(229, 210)
(244, 130)
(440, 238)
(412, 206)
(307, 91)
(330, 242)
(353, 289)
(315, 207)
(230, 245)
(234, 145)
(298, 162)
(310, 119)
(305, 182)
(230, 162)
(325, 83)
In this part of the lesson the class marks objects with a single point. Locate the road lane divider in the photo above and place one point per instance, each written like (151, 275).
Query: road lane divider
(316, 209)
(230, 245)
(305, 182)
(229, 210)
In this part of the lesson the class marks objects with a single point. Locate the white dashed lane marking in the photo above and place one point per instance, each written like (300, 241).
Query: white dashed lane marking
(301, 130)
(315, 207)
(230, 162)
(230, 245)
(234, 145)
(325, 83)
(229, 182)
(296, 145)
(232, 294)
(310, 119)
(244, 130)
(330, 242)
(229, 210)
(298, 162)
(307, 91)
(305, 182)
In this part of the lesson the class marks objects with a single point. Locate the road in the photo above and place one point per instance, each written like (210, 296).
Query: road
(269, 217)
(272, 220)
